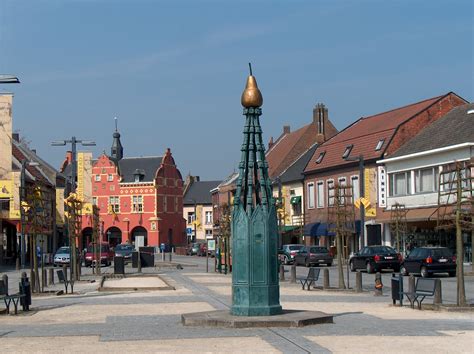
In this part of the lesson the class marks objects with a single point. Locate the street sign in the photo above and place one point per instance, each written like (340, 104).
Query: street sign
(189, 231)
(211, 245)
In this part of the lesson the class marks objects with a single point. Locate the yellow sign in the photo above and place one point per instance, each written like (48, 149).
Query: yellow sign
(87, 209)
(198, 217)
(370, 212)
(6, 189)
(80, 175)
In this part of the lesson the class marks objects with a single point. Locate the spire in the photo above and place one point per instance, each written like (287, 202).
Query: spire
(116, 152)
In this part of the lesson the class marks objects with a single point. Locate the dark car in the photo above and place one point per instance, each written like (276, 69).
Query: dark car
(287, 253)
(124, 250)
(429, 260)
(197, 248)
(375, 258)
(310, 255)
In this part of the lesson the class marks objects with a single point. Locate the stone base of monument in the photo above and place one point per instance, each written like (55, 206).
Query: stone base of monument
(223, 319)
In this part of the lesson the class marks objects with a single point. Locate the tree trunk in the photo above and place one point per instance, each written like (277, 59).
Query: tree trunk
(339, 260)
(461, 292)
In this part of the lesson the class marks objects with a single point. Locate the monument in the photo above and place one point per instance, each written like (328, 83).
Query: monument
(255, 288)
(255, 283)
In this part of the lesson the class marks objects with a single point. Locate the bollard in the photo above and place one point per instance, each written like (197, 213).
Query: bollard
(25, 289)
(282, 272)
(51, 276)
(171, 257)
(411, 286)
(5, 282)
(358, 282)
(326, 278)
(293, 274)
(378, 284)
(65, 272)
(163, 255)
(18, 264)
(438, 295)
(139, 263)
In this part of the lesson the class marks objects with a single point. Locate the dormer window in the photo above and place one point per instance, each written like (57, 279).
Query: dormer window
(320, 157)
(348, 150)
(379, 144)
(139, 175)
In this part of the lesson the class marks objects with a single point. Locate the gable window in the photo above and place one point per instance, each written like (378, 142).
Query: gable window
(110, 178)
(114, 204)
(320, 195)
(348, 150)
(320, 157)
(94, 201)
(330, 184)
(342, 190)
(137, 204)
(310, 192)
(379, 144)
(97, 178)
(400, 183)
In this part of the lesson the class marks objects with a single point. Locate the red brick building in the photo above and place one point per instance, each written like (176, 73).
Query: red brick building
(373, 137)
(140, 199)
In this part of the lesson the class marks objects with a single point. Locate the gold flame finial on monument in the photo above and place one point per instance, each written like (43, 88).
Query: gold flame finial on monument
(251, 97)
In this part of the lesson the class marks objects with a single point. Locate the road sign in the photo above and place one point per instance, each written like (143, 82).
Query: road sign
(189, 231)
(211, 245)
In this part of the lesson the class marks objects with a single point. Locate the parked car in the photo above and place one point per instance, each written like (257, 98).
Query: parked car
(288, 252)
(106, 254)
(62, 256)
(375, 258)
(197, 248)
(124, 250)
(429, 260)
(310, 255)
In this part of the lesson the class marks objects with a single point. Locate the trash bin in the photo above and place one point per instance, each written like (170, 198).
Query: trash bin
(25, 288)
(397, 288)
(119, 265)
(135, 259)
(147, 256)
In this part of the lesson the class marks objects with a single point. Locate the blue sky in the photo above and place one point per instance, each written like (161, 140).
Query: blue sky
(173, 71)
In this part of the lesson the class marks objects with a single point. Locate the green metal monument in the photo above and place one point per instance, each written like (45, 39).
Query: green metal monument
(255, 288)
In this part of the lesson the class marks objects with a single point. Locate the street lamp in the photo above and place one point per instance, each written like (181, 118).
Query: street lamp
(9, 79)
(360, 159)
(24, 163)
(73, 141)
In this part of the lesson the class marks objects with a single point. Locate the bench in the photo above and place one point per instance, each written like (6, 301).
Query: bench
(8, 299)
(62, 279)
(310, 279)
(423, 288)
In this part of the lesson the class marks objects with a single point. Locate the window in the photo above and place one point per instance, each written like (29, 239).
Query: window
(320, 194)
(355, 188)
(330, 184)
(137, 178)
(110, 178)
(342, 190)
(426, 180)
(320, 157)
(208, 217)
(94, 201)
(400, 183)
(114, 204)
(190, 217)
(348, 150)
(379, 144)
(310, 189)
(137, 204)
(97, 178)
(208, 234)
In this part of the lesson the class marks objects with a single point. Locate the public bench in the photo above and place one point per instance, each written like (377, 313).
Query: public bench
(62, 279)
(9, 299)
(423, 288)
(310, 279)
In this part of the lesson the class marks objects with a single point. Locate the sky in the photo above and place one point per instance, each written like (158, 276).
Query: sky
(173, 71)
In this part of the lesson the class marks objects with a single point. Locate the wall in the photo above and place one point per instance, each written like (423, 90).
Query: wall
(6, 101)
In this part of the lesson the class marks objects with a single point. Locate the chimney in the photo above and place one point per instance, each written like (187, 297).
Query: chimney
(286, 129)
(270, 143)
(34, 151)
(16, 137)
(320, 118)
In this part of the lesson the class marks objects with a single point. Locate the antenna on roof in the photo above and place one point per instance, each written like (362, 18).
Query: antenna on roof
(250, 68)
(116, 123)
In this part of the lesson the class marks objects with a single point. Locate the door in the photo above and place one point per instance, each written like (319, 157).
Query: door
(374, 235)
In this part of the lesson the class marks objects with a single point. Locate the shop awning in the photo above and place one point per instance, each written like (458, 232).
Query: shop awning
(287, 228)
(413, 215)
(295, 199)
(323, 229)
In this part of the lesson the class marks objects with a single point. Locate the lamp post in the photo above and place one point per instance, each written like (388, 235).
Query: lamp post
(73, 141)
(360, 159)
(9, 79)
(24, 163)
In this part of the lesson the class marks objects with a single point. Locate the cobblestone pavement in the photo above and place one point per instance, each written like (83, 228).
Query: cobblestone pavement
(150, 321)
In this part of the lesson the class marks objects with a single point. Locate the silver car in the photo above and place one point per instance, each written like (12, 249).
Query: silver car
(62, 256)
